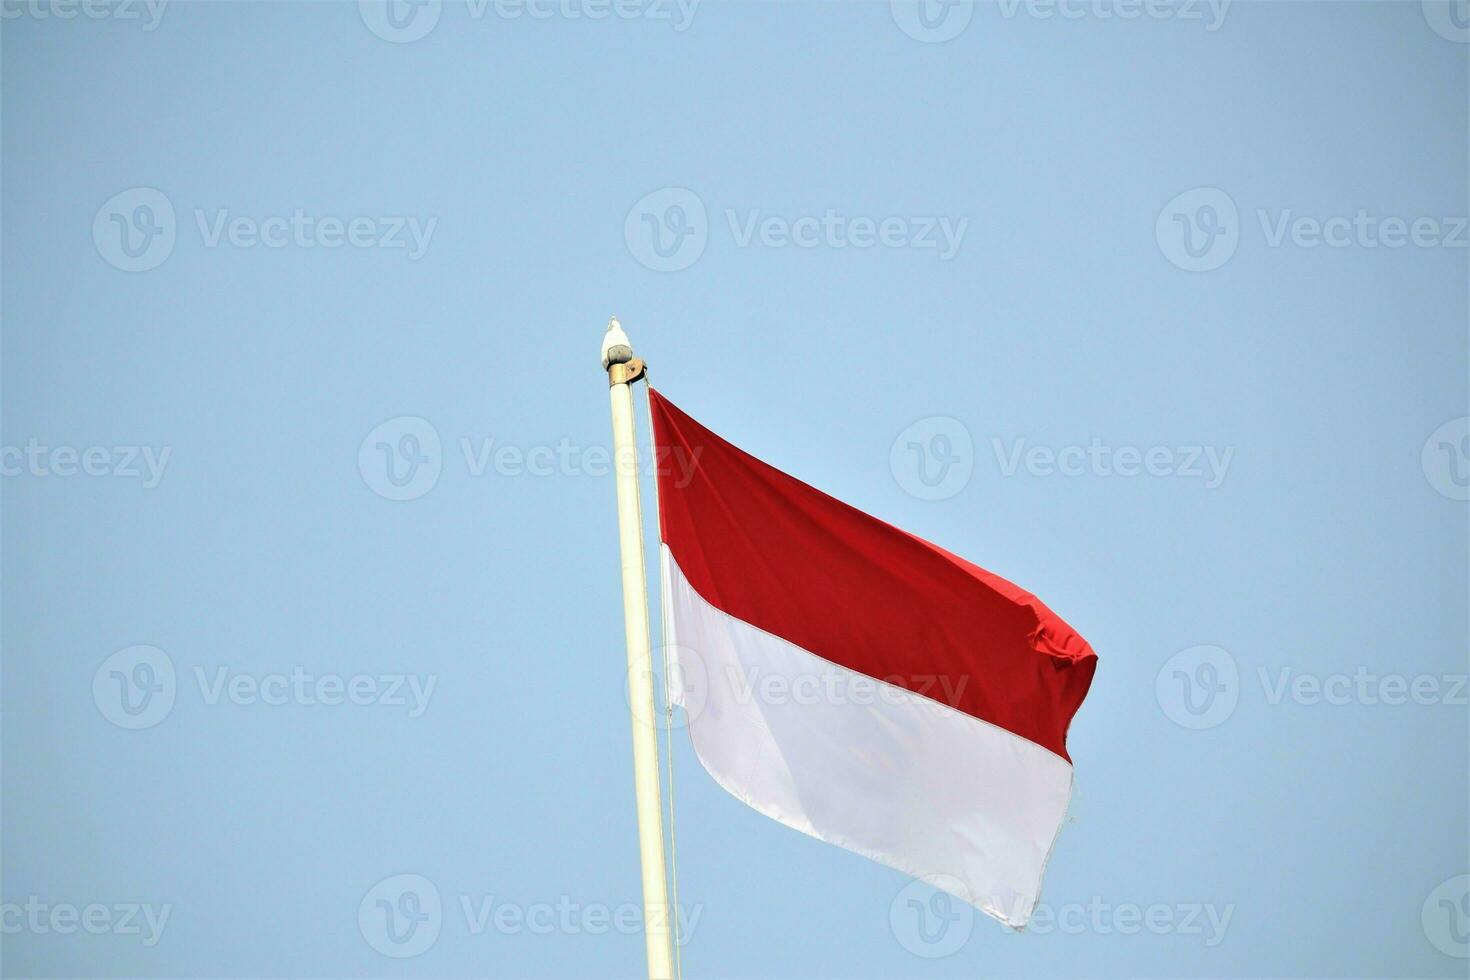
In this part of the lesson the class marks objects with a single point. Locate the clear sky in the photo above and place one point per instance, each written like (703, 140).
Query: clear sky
(310, 565)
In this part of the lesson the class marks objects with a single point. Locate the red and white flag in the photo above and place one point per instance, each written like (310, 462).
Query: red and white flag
(860, 684)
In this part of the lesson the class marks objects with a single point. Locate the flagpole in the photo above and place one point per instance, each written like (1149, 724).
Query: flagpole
(622, 370)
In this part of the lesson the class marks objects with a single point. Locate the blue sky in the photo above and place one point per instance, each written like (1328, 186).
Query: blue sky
(311, 624)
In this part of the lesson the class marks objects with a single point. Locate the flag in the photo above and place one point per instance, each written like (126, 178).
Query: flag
(858, 683)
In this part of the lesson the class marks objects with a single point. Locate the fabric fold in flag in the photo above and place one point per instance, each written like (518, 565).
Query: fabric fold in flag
(860, 684)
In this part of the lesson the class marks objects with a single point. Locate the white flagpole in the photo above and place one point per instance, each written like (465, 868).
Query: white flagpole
(622, 370)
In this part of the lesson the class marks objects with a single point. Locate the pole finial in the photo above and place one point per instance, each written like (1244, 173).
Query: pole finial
(616, 348)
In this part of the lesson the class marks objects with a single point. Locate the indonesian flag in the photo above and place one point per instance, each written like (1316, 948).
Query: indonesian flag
(860, 684)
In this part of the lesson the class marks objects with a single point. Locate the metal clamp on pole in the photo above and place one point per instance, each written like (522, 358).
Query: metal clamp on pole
(627, 372)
